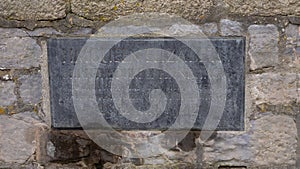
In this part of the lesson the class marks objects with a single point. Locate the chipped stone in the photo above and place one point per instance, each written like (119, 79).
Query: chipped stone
(263, 50)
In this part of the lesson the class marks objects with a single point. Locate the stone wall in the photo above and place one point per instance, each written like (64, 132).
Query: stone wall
(272, 98)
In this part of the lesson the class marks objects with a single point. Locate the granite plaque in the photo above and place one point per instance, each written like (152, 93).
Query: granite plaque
(115, 66)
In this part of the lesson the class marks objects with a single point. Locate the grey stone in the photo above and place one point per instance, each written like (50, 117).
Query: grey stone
(12, 32)
(264, 7)
(231, 52)
(33, 9)
(274, 88)
(17, 140)
(292, 33)
(108, 10)
(274, 140)
(263, 49)
(209, 29)
(19, 53)
(29, 117)
(294, 19)
(84, 31)
(231, 28)
(7, 96)
(43, 32)
(31, 88)
(271, 140)
(229, 149)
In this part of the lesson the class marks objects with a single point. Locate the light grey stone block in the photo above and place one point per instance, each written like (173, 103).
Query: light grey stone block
(263, 50)
(31, 88)
(19, 53)
(7, 96)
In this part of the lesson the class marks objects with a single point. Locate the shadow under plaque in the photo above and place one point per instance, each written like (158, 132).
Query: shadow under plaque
(63, 54)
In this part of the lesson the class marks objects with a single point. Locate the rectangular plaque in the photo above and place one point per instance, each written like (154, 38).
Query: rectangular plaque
(168, 81)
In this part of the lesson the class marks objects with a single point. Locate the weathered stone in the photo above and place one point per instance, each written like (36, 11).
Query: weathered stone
(292, 32)
(33, 9)
(228, 150)
(31, 88)
(107, 10)
(7, 96)
(162, 166)
(29, 117)
(17, 140)
(19, 53)
(12, 32)
(294, 19)
(209, 29)
(274, 140)
(66, 166)
(62, 147)
(264, 7)
(43, 32)
(274, 88)
(263, 50)
(230, 28)
(292, 51)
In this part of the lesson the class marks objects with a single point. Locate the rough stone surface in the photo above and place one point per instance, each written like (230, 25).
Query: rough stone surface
(227, 150)
(17, 140)
(19, 52)
(7, 96)
(264, 7)
(263, 50)
(209, 28)
(274, 140)
(292, 52)
(274, 88)
(33, 9)
(43, 32)
(107, 10)
(31, 88)
(12, 32)
(294, 19)
(230, 28)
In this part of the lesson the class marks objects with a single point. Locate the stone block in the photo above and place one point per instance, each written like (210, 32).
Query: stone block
(19, 53)
(107, 10)
(264, 7)
(274, 140)
(31, 88)
(274, 88)
(231, 28)
(7, 96)
(17, 140)
(33, 9)
(263, 47)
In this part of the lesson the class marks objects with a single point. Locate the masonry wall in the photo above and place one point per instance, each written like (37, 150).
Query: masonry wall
(272, 98)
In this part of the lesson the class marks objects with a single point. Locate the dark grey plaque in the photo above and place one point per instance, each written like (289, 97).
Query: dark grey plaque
(63, 53)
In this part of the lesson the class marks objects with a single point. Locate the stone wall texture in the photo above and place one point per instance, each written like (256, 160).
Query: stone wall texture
(272, 114)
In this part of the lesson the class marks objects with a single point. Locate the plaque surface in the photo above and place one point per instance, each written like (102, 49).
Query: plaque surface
(63, 56)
